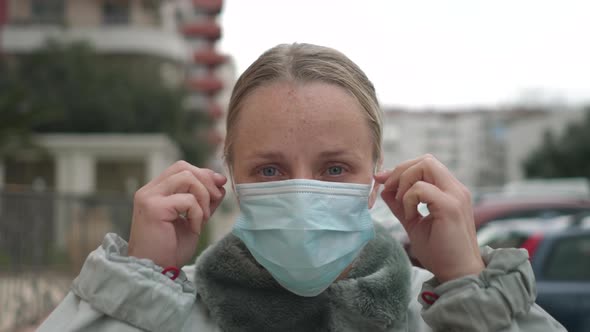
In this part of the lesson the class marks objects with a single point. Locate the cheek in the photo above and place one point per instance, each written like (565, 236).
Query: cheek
(239, 173)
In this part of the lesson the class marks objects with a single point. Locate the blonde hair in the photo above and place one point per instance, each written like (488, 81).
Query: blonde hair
(306, 63)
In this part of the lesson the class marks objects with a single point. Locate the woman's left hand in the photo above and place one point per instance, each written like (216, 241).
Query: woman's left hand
(444, 241)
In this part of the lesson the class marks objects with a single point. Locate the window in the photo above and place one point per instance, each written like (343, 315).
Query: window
(119, 176)
(115, 12)
(569, 259)
(47, 11)
(24, 175)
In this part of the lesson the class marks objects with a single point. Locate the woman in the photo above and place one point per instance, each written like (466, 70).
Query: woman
(303, 144)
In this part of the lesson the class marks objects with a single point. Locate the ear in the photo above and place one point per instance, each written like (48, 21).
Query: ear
(230, 175)
(376, 186)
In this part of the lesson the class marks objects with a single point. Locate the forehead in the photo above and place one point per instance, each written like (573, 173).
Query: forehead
(301, 116)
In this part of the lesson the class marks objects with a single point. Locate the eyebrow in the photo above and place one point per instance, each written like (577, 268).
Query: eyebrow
(339, 153)
(266, 155)
(280, 156)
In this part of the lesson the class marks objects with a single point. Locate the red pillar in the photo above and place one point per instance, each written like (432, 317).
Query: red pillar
(3, 20)
(3, 12)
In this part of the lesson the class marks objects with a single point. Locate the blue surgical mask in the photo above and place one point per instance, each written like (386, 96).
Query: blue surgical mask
(304, 232)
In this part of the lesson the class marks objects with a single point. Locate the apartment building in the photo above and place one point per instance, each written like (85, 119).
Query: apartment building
(482, 147)
(470, 143)
(176, 37)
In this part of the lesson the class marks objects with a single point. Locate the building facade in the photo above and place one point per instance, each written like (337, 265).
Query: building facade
(210, 74)
(177, 36)
(469, 143)
(483, 148)
(178, 39)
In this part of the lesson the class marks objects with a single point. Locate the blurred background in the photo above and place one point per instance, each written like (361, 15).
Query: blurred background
(99, 96)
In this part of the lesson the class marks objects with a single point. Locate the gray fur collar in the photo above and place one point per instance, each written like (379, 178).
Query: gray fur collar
(240, 295)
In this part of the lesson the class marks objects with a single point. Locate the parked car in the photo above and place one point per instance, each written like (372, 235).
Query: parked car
(532, 207)
(561, 263)
(520, 232)
(560, 256)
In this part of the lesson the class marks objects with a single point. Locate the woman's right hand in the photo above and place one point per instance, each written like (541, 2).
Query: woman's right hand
(160, 231)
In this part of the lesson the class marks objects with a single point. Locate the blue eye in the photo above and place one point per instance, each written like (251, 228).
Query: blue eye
(269, 171)
(335, 170)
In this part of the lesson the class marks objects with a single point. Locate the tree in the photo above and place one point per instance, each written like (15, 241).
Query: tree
(18, 115)
(565, 156)
(68, 88)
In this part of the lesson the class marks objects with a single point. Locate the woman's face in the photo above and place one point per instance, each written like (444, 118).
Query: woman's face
(302, 131)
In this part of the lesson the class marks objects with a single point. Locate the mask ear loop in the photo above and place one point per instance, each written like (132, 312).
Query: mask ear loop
(230, 174)
(373, 185)
(373, 176)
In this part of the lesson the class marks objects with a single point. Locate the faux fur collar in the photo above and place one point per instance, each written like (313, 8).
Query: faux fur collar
(240, 295)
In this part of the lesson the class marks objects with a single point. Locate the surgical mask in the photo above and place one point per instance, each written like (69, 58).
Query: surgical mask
(304, 232)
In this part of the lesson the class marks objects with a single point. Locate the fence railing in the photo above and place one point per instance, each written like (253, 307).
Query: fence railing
(44, 239)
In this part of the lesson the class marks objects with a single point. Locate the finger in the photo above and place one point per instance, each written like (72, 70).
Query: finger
(396, 206)
(175, 168)
(391, 183)
(382, 176)
(216, 202)
(214, 183)
(429, 170)
(211, 179)
(413, 174)
(390, 187)
(420, 192)
(184, 204)
(186, 182)
(219, 179)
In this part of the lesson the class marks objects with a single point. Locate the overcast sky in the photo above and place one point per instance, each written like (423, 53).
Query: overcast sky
(441, 53)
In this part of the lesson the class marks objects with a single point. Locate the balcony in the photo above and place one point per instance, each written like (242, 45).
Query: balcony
(209, 57)
(204, 104)
(214, 137)
(209, 6)
(215, 111)
(112, 40)
(208, 84)
(205, 29)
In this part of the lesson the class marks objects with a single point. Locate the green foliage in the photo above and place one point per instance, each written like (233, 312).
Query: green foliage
(565, 156)
(58, 257)
(18, 114)
(5, 259)
(71, 89)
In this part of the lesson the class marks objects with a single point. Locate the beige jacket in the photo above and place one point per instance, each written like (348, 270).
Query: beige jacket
(115, 292)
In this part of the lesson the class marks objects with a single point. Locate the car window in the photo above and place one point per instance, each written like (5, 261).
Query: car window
(500, 238)
(569, 259)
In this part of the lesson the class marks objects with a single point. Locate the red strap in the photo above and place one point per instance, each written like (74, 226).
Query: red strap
(175, 272)
(429, 297)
